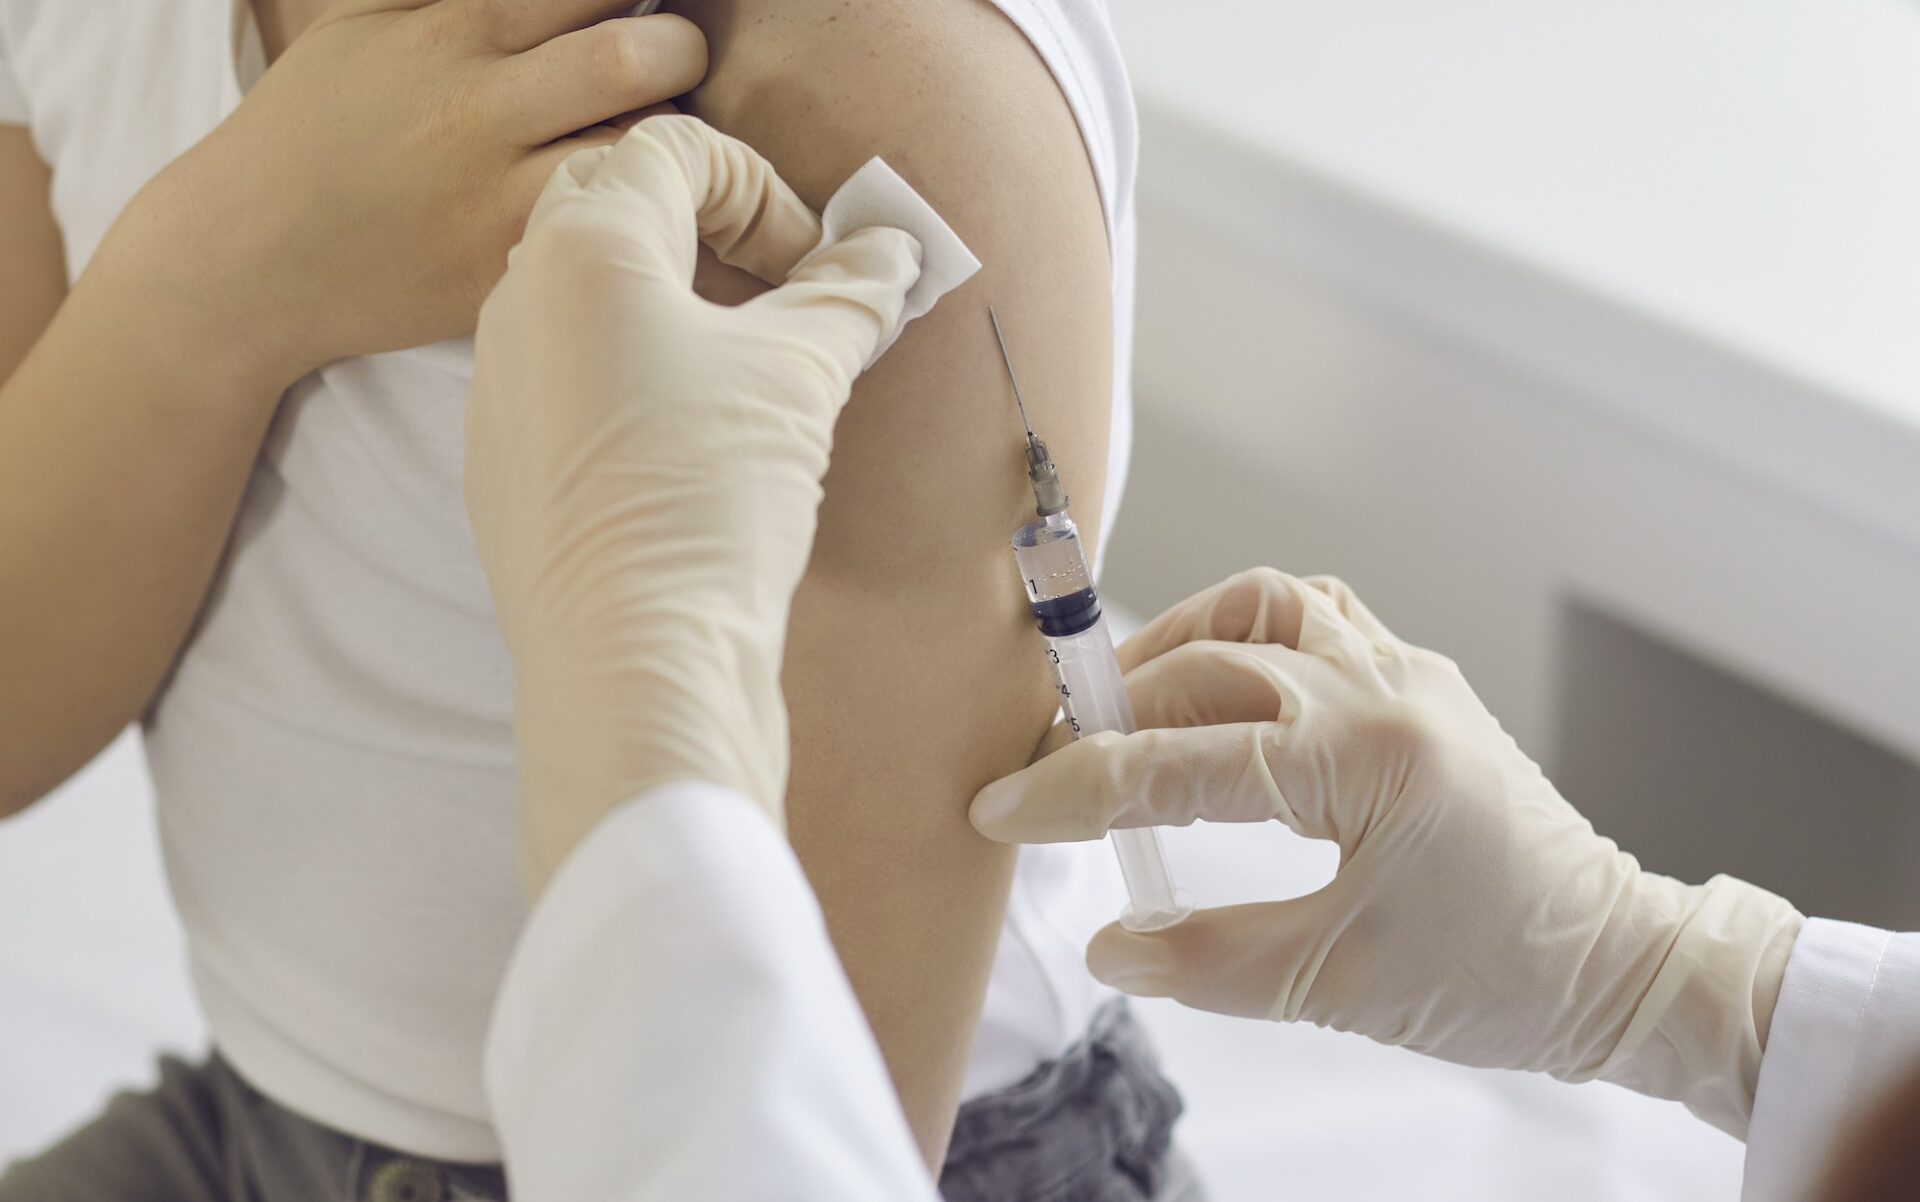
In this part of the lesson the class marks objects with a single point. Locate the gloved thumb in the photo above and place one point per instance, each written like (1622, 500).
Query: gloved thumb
(1251, 961)
(844, 301)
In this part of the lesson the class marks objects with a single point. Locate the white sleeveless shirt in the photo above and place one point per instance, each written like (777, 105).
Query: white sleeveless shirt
(333, 758)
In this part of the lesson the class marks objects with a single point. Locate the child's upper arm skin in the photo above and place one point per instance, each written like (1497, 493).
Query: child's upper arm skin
(32, 260)
(913, 674)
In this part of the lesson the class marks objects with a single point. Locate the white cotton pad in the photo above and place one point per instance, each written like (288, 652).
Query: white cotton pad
(876, 195)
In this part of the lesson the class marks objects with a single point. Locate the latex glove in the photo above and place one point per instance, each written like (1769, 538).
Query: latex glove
(1475, 915)
(643, 466)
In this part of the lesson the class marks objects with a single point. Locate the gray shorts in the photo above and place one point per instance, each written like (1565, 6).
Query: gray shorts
(1092, 1126)
(1096, 1125)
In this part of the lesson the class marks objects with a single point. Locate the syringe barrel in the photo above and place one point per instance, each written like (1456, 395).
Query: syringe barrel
(1093, 695)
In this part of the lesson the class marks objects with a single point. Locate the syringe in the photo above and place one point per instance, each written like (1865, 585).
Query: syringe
(1093, 695)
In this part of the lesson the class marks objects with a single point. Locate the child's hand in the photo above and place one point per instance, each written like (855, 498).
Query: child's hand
(364, 196)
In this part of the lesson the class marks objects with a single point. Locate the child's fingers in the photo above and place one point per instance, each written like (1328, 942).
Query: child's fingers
(596, 74)
(516, 25)
(627, 121)
(355, 8)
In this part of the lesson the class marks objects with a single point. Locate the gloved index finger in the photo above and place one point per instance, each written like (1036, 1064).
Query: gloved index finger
(1259, 605)
(1354, 610)
(694, 184)
(1209, 683)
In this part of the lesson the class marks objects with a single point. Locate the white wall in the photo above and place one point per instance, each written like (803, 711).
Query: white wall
(1591, 405)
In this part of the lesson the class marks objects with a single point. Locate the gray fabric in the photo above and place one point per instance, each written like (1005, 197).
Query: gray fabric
(204, 1135)
(1096, 1125)
(1093, 1126)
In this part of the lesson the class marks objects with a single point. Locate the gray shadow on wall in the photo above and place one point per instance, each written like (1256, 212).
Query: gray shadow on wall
(1697, 771)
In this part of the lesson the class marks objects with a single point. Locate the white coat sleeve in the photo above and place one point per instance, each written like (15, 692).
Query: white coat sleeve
(674, 1024)
(1846, 1029)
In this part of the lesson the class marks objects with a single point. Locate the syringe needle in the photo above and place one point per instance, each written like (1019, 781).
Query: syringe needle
(1013, 379)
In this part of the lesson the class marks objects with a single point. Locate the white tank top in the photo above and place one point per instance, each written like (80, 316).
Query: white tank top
(333, 758)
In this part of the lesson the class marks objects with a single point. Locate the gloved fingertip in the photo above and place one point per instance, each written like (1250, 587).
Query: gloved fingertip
(893, 241)
(993, 810)
(1132, 962)
(877, 252)
(568, 180)
(1020, 809)
(582, 164)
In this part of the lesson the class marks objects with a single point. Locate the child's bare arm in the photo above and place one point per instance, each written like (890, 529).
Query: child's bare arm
(912, 674)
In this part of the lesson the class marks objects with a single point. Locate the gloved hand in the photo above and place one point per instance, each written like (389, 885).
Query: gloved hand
(643, 466)
(1476, 916)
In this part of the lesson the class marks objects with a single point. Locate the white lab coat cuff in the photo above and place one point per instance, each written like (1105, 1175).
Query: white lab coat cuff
(1846, 1028)
(674, 1024)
